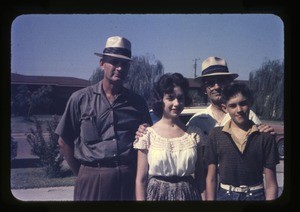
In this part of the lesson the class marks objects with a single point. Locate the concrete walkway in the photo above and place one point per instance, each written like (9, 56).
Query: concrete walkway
(44, 194)
(51, 194)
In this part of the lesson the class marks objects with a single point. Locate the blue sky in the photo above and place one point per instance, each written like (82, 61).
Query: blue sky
(64, 45)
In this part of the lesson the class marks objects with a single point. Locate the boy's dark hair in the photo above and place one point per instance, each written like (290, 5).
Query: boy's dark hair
(234, 88)
(165, 85)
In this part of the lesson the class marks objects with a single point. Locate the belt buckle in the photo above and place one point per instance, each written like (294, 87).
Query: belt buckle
(244, 188)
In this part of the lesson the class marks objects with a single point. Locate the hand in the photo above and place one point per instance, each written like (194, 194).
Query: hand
(266, 128)
(141, 130)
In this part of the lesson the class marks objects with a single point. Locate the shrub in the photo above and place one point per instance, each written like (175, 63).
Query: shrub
(47, 151)
(13, 148)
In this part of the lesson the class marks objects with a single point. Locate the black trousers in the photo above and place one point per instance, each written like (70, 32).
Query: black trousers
(105, 183)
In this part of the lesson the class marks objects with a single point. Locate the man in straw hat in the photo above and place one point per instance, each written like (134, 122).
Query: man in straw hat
(215, 75)
(98, 126)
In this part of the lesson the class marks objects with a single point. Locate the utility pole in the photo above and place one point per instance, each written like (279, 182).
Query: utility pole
(195, 67)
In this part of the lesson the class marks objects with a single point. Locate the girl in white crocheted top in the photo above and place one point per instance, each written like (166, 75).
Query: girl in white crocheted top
(168, 151)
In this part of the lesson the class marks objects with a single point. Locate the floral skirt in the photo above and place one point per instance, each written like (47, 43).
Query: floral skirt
(172, 189)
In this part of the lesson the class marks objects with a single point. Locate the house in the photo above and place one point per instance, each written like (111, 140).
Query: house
(62, 88)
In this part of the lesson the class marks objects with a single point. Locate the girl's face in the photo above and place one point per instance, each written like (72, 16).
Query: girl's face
(173, 103)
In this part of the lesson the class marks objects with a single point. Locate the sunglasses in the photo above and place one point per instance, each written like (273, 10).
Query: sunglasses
(241, 104)
(220, 81)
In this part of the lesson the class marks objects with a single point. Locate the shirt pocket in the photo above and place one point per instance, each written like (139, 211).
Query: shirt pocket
(88, 130)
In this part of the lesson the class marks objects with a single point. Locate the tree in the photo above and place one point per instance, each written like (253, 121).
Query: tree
(144, 71)
(39, 98)
(267, 84)
(19, 101)
(26, 102)
(97, 76)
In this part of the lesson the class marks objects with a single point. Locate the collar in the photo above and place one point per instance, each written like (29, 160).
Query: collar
(223, 122)
(227, 128)
(209, 110)
(98, 89)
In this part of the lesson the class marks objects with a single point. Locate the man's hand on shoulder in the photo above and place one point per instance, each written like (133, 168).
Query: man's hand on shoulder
(266, 128)
(141, 130)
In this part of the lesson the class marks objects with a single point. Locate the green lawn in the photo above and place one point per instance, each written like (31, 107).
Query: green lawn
(36, 178)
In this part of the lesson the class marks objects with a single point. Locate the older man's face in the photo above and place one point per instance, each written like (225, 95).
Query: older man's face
(115, 69)
(214, 86)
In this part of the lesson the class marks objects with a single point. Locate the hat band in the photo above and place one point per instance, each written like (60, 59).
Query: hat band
(215, 69)
(119, 51)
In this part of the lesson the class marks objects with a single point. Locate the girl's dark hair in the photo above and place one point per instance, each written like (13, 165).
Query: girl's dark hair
(234, 88)
(165, 85)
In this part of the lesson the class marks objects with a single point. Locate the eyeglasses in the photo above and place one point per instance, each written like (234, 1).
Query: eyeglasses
(220, 81)
(241, 104)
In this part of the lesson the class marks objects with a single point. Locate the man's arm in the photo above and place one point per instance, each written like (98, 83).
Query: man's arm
(200, 173)
(201, 168)
(211, 182)
(68, 152)
(271, 183)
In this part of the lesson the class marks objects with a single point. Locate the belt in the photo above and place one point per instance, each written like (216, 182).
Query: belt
(173, 179)
(113, 163)
(242, 188)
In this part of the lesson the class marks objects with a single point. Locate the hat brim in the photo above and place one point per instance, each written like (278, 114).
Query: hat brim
(233, 75)
(113, 55)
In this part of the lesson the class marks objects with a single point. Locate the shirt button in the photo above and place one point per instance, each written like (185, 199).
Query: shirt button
(114, 140)
(114, 155)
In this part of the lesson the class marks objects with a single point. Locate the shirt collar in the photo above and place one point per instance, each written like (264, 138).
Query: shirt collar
(227, 128)
(98, 89)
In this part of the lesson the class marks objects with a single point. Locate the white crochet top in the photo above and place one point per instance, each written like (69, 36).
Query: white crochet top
(170, 156)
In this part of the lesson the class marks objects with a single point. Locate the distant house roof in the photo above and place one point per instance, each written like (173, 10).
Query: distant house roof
(48, 80)
(193, 83)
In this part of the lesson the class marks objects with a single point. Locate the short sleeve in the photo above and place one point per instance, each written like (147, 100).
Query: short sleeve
(270, 151)
(143, 142)
(69, 125)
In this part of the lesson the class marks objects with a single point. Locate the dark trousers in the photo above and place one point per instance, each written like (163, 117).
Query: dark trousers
(105, 183)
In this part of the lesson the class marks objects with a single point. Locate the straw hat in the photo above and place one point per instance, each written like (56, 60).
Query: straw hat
(117, 46)
(215, 66)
